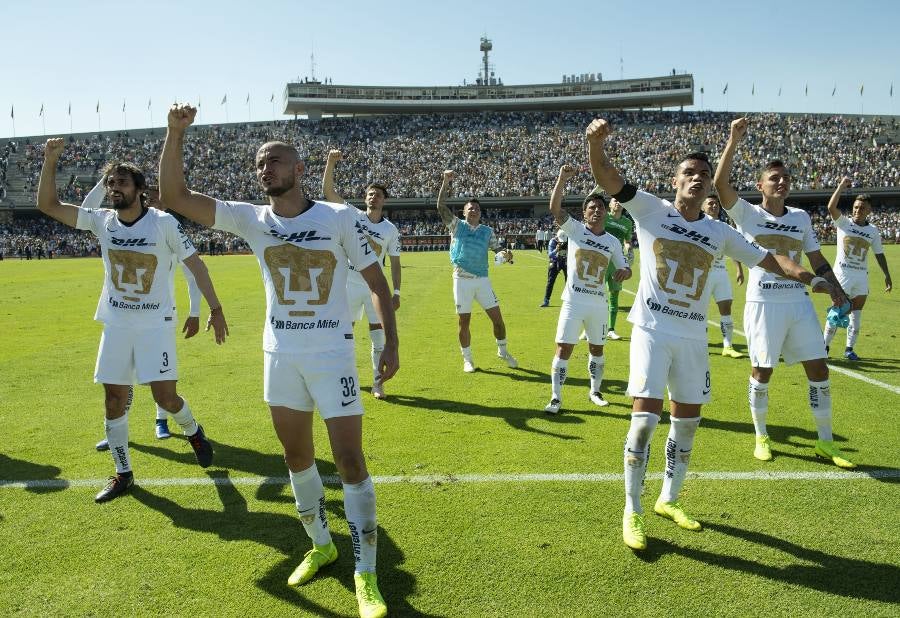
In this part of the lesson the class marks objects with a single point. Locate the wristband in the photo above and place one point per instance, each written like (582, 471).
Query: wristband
(396, 292)
(817, 280)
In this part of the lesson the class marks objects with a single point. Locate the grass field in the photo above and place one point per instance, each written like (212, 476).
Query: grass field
(481, 508)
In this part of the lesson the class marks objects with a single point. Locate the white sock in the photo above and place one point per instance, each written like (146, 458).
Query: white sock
(595, 370)
(359, 506)
(378, 341)
(185, 419)
(467, 353)
(678, 454)
(117, 436)
(830, 332)
(853, 328)
(309, 496)
(161, 413)
(759, 405)
(820, 404)
(726, 323)
(637, 454)
(558, 370)
(501, 347)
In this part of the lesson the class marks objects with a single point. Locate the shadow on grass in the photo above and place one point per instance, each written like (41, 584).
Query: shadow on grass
(887, 366)
(284, 534)
(838, 575)
(13, 469)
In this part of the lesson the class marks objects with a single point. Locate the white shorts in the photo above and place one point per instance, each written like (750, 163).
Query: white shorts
(130, 355)
(360, 297)
(325, 380)
(854, 283)
(719, 284)
(788, 330)
(659, 359)
(479, 289)
(593, 318)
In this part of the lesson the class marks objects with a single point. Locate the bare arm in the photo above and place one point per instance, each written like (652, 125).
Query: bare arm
(47, 198)
(833, 209)
(446, 180)
(728, 197)
(882, 263)
(395, 279)
(328, 177)
(559, 215)
(216, 316)
(740, 273)
(381, 296)
(784, 266)
(605, 174)
(173, 191)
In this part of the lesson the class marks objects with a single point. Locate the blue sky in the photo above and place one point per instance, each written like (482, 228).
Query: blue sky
(57, 53)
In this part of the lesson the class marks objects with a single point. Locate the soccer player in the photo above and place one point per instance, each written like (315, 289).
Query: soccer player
(303, 248)
(720, 286)
(557, 252)
(779, 316)
(855, 236)
(623, 229)
(584, 295)
(669, 338)
(137, 307)
(384, 239)
(468, 254)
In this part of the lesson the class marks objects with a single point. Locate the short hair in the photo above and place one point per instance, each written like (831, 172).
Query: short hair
(129, 169)
(773, 164)
(864, 197)
(696, 156)
(381, 187)
(592, 196)
(470, 201)
(713, 197)
(284, 146)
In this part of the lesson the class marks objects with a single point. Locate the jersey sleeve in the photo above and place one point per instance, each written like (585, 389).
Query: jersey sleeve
(810, 241)
(493, 241)
(738, 248)
(617, 257)
(642, 205)
(94, 198)
(177, 239)
(193, 291)
(740, 210)
(393, 245)
(354, 241)
(233, 217)
(876, 242)
(90, 220)
(452, 225)
(842, 223)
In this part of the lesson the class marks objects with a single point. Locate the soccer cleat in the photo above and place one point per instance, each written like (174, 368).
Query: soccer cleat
(827, 350)
(827, 450)
(612, 335)
(202, 447)
(371, 603)
(162, 429)
(673, 511)
(313, 560)
(763, 450)
(597, 398)
(468, 366)
(553, 407)
(546, 303)
(731, 352)
(102, 445)
(510, 359)
(851, 355)
(117, 485)
(633, 531)
(378, 390)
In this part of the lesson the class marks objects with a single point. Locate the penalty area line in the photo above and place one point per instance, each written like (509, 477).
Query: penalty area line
(450, 479)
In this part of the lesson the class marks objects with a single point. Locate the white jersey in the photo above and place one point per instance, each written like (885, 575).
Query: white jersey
(853, 244)
(384, 238)
(587, 261)
(303, 260)
(789, 235)
(673, 295)
(138, 262)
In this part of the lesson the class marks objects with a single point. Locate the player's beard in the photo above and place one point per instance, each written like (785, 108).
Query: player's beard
(281, 189)
(124, 203)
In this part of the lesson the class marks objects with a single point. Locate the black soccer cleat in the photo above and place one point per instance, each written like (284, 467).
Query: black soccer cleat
(202, 447)
(117, 485)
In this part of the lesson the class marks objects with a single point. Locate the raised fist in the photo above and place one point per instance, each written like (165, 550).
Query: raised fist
(334, 156)
(449, 175)
(846, 182)
(54, 147)
(739, 128)
(598, 130)
(181, 116)
(567, 171)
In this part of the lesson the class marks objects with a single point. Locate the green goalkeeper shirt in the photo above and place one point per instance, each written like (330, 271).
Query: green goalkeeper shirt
(622, 228)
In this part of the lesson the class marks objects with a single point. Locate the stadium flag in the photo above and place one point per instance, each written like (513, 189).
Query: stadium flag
(753, 90)
(861, 88)
(272, 98)
(725, 90)
(701, 89)
(779, 90)
(123, 106)
(12, 112)
(98, 107)
(70, 108)
(224, 100)
(41, 113)
(149, 103)
(248, 98)
(806, 91)
(833, 90)
(892, 88)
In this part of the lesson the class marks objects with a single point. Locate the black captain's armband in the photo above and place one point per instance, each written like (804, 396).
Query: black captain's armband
(626, 194)
(822, 269)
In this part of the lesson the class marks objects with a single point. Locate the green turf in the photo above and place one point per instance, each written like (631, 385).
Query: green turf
(510, 548)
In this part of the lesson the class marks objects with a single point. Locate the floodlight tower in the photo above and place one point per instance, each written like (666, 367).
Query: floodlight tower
(486, 46)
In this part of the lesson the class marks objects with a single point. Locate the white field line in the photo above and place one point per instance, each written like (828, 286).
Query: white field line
(432, 479)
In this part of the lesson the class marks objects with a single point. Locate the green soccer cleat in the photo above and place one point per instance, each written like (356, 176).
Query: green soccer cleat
(633, 531)
(371, 603)
(763, 450)
(731, 353)
(673, 511)
(827, 450)
(316, 558)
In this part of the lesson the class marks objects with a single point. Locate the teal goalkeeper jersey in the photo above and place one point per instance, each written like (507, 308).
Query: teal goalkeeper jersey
(622, 228)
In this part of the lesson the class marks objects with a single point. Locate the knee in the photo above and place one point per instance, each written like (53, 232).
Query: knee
(115, 404)
(762, 374)
(297, 460)
(351, 466)
(170, 402)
